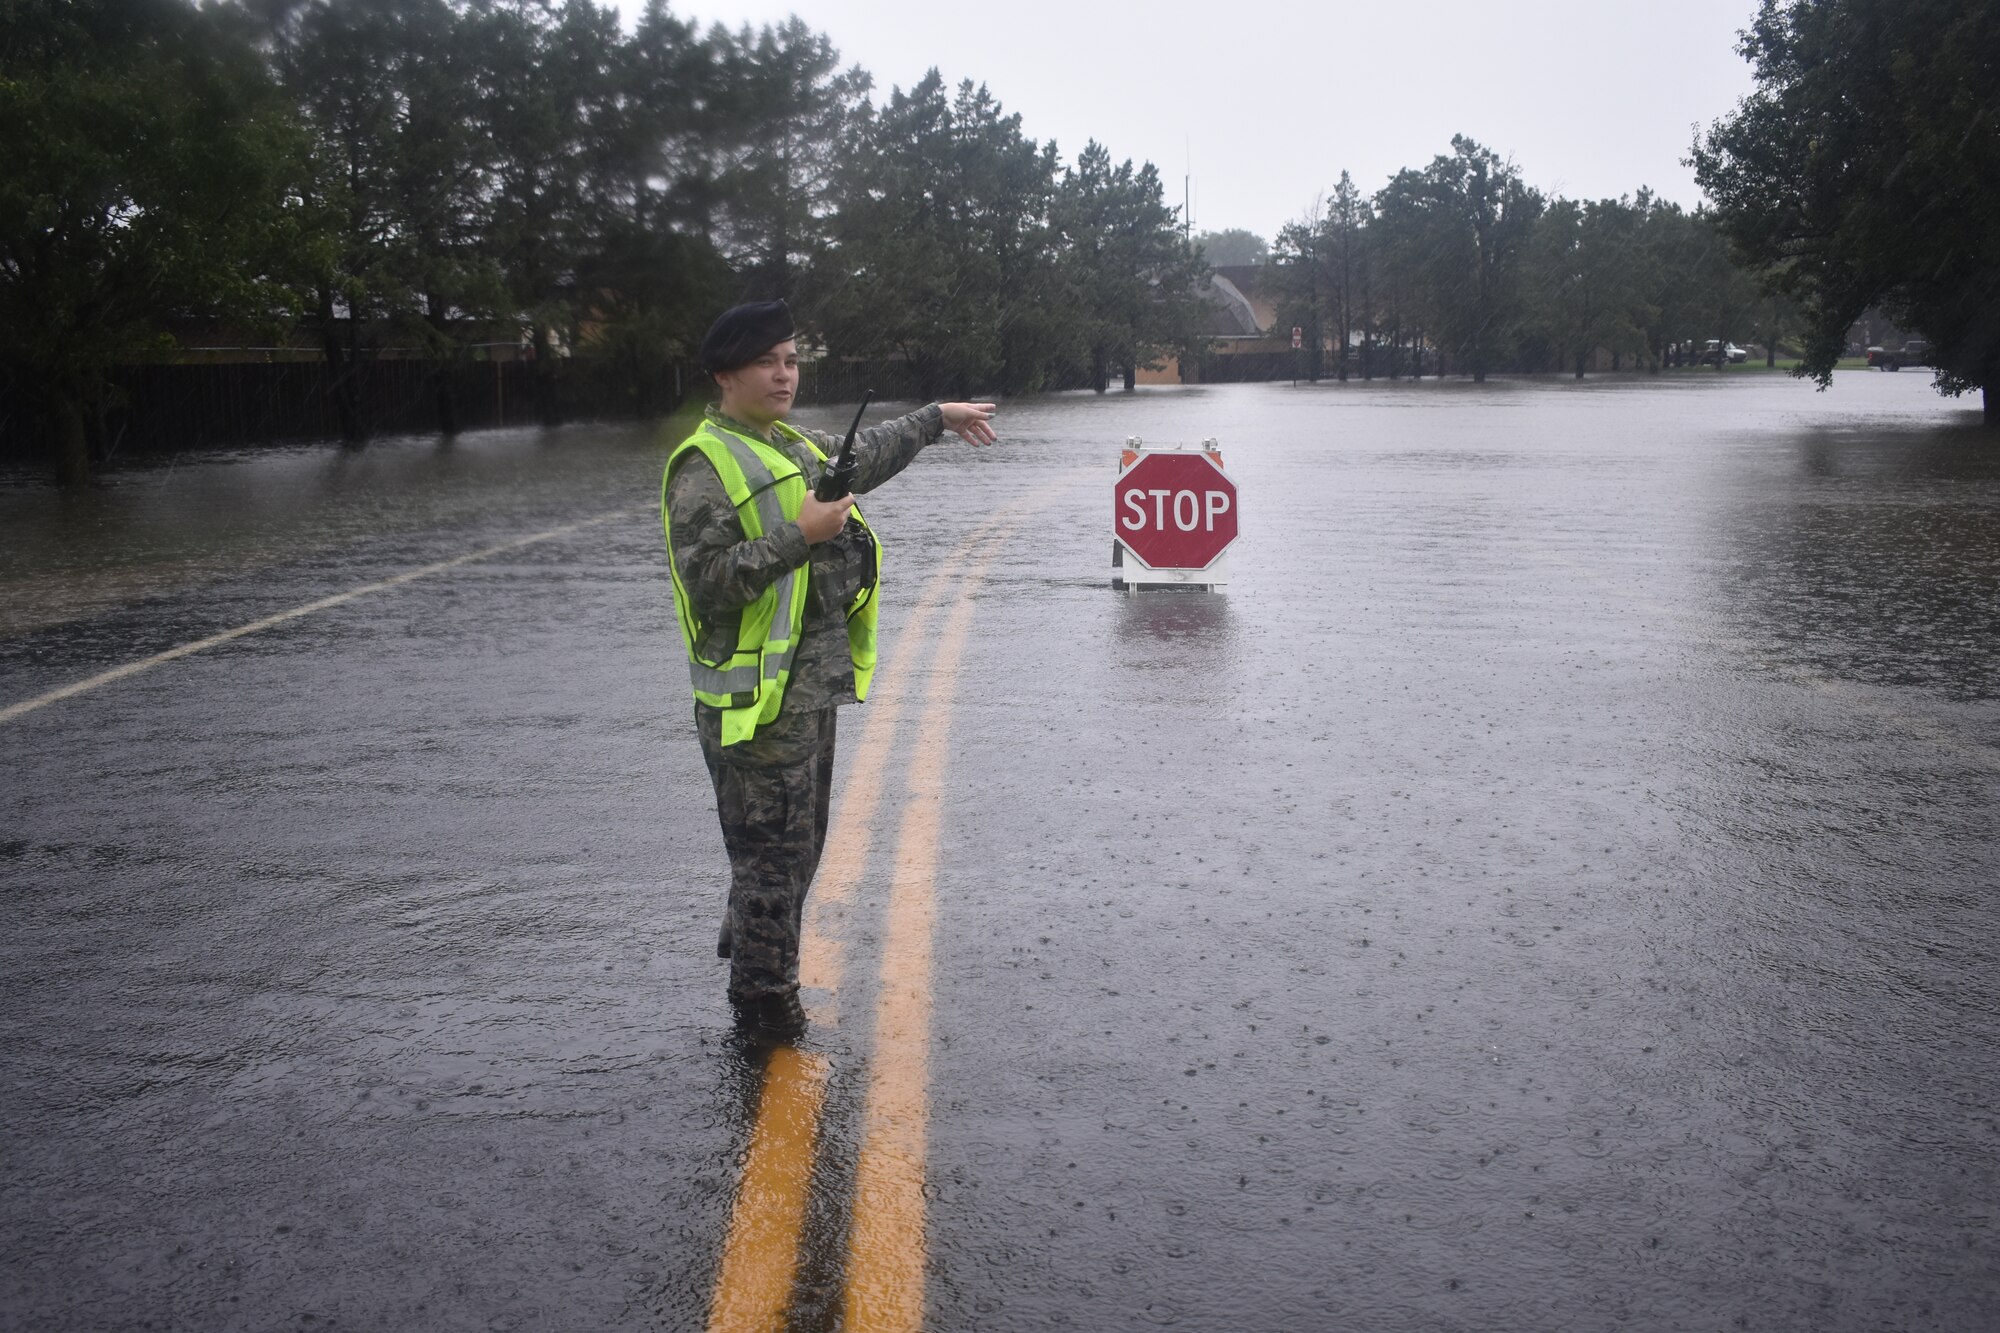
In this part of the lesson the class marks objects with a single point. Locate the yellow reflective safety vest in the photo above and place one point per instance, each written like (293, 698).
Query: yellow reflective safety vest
(768, 489)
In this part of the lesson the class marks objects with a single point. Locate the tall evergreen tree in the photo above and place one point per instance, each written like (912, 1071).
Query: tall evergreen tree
(143, 177)
(1862, 171)
(554, 111)
(1298, 283)
(656, 279)
(942, 254)
(1232, 246)
(779, 109)
(440, 178)
(1131, 273)
(1408, 254)
(1346, 252)
(1483, 217)
(389, 94)
(1010, 217)
(1584, 282)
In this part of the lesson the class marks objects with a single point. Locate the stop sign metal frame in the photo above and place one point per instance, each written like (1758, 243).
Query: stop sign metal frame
(1130, 571)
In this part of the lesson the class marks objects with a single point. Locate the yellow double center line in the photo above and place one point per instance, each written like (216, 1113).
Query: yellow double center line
(885, 1250)
(886, 1241)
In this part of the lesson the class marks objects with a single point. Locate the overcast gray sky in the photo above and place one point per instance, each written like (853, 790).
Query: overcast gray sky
(1265, 105)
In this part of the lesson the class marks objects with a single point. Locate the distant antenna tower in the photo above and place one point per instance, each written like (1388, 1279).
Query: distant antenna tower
(1187, 189)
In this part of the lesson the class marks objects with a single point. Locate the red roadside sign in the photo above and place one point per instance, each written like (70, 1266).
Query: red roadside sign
(1174, 510)
(1298, 337)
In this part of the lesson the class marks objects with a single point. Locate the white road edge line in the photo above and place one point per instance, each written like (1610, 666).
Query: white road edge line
(12, 711)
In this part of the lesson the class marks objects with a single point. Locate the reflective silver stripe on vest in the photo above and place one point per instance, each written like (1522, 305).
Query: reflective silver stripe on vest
(763, 491)
(714, 680)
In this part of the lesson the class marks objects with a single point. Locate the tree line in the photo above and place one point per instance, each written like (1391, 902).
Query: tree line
(1858, 176)
(1461, 266)
(436, 174)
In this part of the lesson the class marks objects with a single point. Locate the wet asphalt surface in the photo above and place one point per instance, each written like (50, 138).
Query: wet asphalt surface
(1552, 889)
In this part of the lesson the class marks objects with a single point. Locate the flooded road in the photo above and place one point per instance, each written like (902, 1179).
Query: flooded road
(1552, 888)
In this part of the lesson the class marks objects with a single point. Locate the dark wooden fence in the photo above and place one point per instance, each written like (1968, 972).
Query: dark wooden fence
(159, 408)
(207, 405)
(166, 407)
(1249, 367)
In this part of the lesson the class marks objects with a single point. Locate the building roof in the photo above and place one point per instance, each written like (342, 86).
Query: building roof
(1245, 279)
(1227, 312)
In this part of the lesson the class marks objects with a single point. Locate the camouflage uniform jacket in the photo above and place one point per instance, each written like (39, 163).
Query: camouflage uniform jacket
(723, 572)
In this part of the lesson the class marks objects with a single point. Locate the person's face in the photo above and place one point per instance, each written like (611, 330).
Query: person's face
(761, 392)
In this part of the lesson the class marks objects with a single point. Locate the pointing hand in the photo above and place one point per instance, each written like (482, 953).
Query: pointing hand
(969, 421)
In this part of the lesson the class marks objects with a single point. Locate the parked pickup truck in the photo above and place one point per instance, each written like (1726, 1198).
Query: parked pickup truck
(1915, 352)
(1716, 352)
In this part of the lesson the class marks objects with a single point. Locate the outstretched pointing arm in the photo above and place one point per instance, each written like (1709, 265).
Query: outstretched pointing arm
(880, 452)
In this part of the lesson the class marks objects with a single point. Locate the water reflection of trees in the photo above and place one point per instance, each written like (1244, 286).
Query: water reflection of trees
(1880, 566)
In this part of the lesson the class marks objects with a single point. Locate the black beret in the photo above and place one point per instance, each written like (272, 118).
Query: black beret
(743, 333)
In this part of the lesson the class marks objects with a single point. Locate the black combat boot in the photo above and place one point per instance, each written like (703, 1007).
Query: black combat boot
(778, 1018)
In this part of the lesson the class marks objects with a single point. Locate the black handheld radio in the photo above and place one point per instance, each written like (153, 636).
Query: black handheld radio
(838, 479)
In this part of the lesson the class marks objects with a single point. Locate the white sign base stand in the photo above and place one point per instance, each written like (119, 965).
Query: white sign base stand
(1131, 574)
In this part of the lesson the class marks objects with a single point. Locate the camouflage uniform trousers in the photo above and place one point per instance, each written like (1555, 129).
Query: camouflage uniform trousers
(773, 793)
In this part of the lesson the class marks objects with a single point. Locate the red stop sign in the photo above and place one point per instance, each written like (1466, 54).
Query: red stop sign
(1174, 511)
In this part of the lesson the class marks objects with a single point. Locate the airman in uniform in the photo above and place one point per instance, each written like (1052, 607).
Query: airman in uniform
(777, 595)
